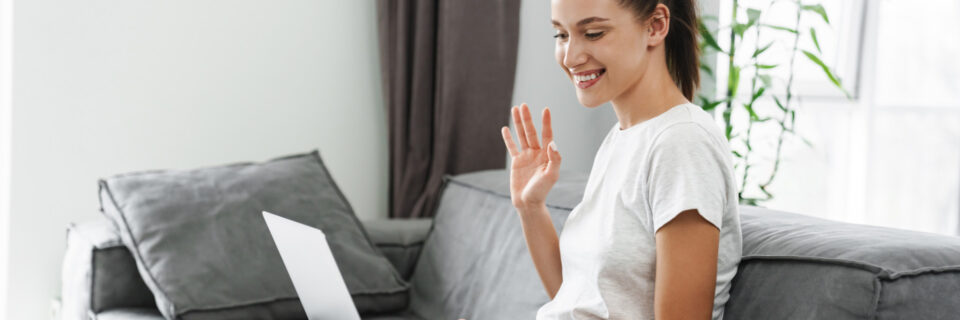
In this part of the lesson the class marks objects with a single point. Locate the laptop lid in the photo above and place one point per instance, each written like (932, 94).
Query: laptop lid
(312, 269)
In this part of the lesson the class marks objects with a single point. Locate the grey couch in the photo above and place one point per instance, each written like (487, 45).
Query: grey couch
(471, 261)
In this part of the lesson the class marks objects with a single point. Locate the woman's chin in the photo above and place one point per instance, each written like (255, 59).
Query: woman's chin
(589, 101)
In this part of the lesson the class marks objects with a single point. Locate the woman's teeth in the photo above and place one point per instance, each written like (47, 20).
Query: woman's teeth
(586, 77)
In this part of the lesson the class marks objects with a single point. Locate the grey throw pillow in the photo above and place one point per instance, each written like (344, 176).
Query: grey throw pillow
(203, 248)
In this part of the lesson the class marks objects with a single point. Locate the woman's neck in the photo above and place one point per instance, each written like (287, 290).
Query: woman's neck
(653, 94)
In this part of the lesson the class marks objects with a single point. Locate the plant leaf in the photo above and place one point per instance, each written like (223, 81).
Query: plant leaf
(761, 50)
(767, 66)
(711, 105)
(817, 8)
(706, 104)
(706, 69)
(753, 15)
(766, 79)
(813, 35)
(753, 115)
(748, 201)
(779, 104)
(708, 38)
(703, 99)
(780, 28)
(757, 95)
(733, 81)
(826, 69)
(807, 142)
(740, 28)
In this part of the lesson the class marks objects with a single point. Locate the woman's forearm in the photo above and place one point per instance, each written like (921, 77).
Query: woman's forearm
(544, 246)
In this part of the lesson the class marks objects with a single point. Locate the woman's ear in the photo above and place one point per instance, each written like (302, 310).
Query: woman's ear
(658, 25)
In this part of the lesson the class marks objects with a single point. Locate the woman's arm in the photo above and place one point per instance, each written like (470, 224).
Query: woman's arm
(687, 249)
(533, 172)
(544, 246)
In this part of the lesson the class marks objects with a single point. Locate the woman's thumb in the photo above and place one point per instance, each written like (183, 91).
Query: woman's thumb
(553, 156)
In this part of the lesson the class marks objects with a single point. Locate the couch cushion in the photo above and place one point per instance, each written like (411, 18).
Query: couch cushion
(153, 314)
(475, 263)
(129, 314)
(203, 248)
(796, 266)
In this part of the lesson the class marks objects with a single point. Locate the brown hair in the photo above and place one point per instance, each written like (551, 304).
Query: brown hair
(682, 47)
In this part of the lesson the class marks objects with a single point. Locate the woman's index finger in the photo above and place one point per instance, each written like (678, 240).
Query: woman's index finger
(529, 130)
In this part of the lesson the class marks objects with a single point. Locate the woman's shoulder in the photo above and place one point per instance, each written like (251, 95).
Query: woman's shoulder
(690, 126)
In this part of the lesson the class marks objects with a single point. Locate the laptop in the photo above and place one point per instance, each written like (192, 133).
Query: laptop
(313, 271)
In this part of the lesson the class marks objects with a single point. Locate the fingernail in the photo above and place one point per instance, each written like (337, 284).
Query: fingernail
(553, 145)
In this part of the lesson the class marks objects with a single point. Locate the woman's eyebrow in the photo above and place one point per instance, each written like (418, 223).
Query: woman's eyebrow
(584, 21)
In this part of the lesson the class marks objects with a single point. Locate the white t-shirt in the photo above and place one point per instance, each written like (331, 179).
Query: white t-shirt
(642, 177)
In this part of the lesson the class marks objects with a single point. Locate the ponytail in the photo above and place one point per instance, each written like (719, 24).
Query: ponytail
(682, 47)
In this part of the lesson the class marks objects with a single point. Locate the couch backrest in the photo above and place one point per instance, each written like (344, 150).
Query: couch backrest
(475, 263)
(800, 267)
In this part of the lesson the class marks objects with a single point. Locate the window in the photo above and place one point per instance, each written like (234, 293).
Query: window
(891, 156)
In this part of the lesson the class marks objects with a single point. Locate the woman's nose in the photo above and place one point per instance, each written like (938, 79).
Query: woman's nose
(574, 54)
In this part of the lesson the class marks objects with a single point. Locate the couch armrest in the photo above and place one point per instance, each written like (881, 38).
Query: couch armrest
(99, 273)
(400, 240)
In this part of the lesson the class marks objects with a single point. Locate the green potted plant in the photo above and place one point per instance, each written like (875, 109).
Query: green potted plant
(779, 108)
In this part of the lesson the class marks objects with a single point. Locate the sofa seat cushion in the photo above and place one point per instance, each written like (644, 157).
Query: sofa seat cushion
(154, 314)
(129, 314)
(202, 246)
(797, 266)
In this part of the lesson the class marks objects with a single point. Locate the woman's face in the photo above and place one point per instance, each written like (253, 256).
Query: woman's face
(601, 47)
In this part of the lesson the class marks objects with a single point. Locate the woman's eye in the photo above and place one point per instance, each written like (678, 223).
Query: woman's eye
(560, 36)
(594, 35)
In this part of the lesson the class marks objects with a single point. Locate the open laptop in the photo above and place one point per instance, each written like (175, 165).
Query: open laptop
(312, 269)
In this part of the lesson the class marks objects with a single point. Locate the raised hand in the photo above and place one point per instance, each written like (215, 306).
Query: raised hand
(534, 169)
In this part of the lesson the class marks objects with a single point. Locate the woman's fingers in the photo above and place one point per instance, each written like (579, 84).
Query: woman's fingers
(508, 140)
(547, 127)
(518, 125)
(529, 130)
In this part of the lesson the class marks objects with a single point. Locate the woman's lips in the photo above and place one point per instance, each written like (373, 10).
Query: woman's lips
(588, 83)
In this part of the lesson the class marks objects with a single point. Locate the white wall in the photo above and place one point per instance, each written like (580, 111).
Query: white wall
(6, 41)
(540, 82)
(114, 86)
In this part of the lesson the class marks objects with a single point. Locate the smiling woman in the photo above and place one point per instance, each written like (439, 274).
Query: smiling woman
(605, 39)
(657, 233)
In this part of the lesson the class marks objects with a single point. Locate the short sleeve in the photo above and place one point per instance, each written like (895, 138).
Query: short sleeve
(686, 170)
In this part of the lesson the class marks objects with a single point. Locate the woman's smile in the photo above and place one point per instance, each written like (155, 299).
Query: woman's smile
(586, 79)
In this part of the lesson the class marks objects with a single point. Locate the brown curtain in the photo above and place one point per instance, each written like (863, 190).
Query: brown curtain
(448, 70)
